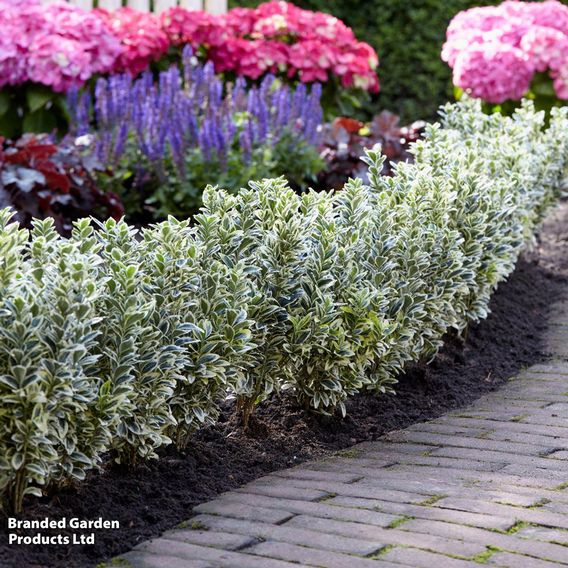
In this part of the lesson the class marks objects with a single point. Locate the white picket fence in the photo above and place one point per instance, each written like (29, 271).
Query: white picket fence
(157, 6)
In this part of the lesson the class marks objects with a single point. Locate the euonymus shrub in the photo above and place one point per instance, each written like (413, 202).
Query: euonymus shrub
(117, 342)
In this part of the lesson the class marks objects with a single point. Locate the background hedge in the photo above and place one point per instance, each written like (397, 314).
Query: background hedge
(408, 36)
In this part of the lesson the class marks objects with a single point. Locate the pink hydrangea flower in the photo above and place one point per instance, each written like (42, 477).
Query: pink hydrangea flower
(239, 21)
(549, 14)
(495, 50)
(494, 72)
(57, 45)
(60, 45)
(263, 56)
(547, 48)
(356, 67)
(194, 27)
(311, 60)
(249, 58)
(560, 81)
(277, 36)
(227, 56)
(141, 36)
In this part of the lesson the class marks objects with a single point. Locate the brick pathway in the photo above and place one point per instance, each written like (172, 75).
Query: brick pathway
(486, 484)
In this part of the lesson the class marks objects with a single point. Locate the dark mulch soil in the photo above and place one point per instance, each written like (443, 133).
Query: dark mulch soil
(160, 494)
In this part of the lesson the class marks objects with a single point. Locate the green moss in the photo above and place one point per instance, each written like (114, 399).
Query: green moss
(327, 497)
(431, 500)
(119, 562)
(384, 550)
(484, 434)
(517, 527)
(399, 521)
(349, 454)
(518, 418)
(198, 526)
(483, 557)
(183, 525)
(539, 503)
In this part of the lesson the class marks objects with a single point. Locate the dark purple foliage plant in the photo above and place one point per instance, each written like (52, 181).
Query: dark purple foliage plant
(39, 179)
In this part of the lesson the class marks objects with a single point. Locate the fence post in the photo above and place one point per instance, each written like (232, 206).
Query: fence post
(216, 6)
(85, 4)
(110, 4)
(143, 5)
(192, 4)
(161, 5)
(212, 6)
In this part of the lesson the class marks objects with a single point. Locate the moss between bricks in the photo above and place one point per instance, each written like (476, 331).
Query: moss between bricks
(431, 500)
(385, 550)
(399, 521)
(349, 454)
(326, 497)
(197, 526)
(537, 505)
(518, 418)
(121, 562)
(183, 525)
(483, 557)
(517, 527)
(511, 530)
(540, 503)
(484, 435)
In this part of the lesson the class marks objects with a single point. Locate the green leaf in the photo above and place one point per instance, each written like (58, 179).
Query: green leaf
(17, 461)
(10, 123)
(36, 469)
(40, 121)
(544, 89)
(35, 491)
(38, 96)
(5, 102)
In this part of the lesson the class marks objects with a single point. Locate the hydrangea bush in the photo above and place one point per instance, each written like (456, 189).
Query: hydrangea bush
(50, 49)
(277, 37)
(142, 39)
(502, 53)
(161, 141)
(57, 45)
(122, 341)
(46, 49)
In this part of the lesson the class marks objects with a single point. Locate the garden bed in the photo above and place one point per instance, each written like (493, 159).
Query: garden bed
(160, 494)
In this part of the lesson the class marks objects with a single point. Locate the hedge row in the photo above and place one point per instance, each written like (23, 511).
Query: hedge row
(124, 341)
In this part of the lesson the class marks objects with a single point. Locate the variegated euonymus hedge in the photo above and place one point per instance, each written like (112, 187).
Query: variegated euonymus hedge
(116, 342)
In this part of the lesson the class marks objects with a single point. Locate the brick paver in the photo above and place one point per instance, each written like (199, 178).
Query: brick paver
(486, 484)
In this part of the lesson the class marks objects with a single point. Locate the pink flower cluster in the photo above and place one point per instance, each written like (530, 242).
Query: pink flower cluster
(57, 45)
(495, 51)
(277, 37)
(60, 45)
(141, 37)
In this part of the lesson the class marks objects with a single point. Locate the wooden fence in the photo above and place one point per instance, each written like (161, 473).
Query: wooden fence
(213, 6)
